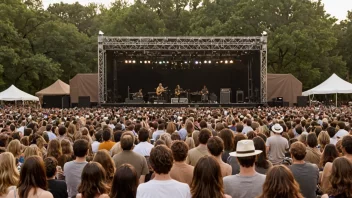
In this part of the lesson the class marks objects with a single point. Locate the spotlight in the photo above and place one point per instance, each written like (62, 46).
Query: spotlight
(163, 61)
(205, 62)
(129, 61)
(145, 62)
(209, 61)
(167, 62)
(140, 62)
(221, 61)
(160, 62)
(126, 61)
(185, 62)
(133, 61)
(226, 61)
(148, 62)
(196, 62)
(231, 61)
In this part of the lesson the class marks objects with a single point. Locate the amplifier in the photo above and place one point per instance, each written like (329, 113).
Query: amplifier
(182, 101)
(225, 90)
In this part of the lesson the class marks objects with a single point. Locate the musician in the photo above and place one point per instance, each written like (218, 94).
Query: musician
(140, 94)
(178, 91)
(205, 94)
(160, 90)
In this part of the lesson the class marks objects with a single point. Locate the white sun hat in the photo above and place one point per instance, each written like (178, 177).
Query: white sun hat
(277, 128)
(245, 148)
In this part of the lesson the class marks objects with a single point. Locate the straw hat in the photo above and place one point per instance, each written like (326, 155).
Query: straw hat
(245, 148)
(277, 128)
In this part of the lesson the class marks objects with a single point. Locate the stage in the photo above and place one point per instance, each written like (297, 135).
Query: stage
(169, 105)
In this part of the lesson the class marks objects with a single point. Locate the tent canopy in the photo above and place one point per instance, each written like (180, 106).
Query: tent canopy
(283, 85)
(14, 94)
(332, 85)
(84, 85)
(57, 88)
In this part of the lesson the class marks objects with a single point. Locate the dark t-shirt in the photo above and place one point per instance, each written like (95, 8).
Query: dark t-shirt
(307, 176)
(58, 188)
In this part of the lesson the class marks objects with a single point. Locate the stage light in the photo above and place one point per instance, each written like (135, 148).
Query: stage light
(209, 62)
(164, 62)
(185, 62)
(167, 62)
(231, 61)
(133, 61)
(205, 62)
(145, 62)
(160, 62)
(129, 61)
(226, 61)
(196, 62)
(221, 61)
(140, 62)
(148, 62)
(126, 61)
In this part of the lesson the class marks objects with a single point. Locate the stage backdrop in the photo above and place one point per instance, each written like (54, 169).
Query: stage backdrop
(284, 85)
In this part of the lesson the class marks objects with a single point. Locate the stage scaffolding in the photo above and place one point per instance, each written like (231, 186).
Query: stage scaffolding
(180, 44)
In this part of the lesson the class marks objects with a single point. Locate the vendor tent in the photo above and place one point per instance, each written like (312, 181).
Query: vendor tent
(332, 85)
(84, 85)
(284, 85)
(15, 94)
(57, 88)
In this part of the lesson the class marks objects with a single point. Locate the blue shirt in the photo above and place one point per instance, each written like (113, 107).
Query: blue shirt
(183, 133)
(51, 135)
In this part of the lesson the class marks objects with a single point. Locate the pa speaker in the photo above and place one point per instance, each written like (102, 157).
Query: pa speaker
(302, 101)
(84, 101)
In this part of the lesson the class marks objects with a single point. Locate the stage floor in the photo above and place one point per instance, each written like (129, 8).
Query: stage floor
(233, 105)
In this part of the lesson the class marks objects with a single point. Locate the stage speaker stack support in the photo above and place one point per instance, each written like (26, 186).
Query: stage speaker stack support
(302, 101)
(182, 101)
(225, 95)
(84, 101)
(239, 96)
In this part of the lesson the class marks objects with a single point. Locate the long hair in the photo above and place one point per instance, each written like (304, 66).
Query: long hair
(262, 159)
(15, 148)
(279, 182)
(104, 159)
(125, 182)
(32, 175)
(227, 136)
(207, 179)
(31, 150)
(54, 149)
(9, 174)
(170, 128)
(92, 180)
(330, 153)
(341, 178)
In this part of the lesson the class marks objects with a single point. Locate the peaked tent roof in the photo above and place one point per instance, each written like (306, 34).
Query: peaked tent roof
(13, 93)
(57, 88)
(332, 85)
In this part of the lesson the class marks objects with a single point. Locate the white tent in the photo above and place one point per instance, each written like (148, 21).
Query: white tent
(332, 85)
(15, 94)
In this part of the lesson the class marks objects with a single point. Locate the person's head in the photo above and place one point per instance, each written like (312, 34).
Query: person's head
(31, 150)
(166, 137)
(312, 140)
(32, 176)
(66, 147)
(298, 151)
(238, 137)
(125, 182)
(175, 136)
(15, 148)
(80, 148)
(189, 127)
(239, 128)
(103, 158)
(215, 146)
(341, 125)
(126, 141)
(227, 136)
(106, 135)
(161, 126)
(331, 131)
(207, 179)
(54, 149)
(261, 160)
(98, 136)
(299, 129)
(143, 135)
(92, 180)
(323, 139)
(347, 144)
(280, 182)
(219, 126)
(329, 155)
(117, 135)
(179, 151)
(161, 159)
(27, 132)
(50, 166)
(9, 174)
(48, 127)
(246, 153)
(62, 130)
(171, 127)
(341, 178)
(4, 140)
(204, 135)
(203, 124)
(251, 135)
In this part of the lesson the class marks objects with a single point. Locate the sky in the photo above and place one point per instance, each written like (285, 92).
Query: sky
(337, 8)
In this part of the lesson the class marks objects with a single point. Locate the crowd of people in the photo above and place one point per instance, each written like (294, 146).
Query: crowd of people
(176, 152)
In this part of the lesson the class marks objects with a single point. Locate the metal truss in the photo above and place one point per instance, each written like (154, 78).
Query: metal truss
(181, 44)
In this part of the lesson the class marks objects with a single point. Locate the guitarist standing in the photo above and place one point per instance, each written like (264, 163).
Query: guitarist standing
(178, 91)
(160, 90)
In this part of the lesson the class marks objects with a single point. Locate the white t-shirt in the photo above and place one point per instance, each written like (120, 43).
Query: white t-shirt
(340, 134)
(161, 189)
(95, 146)
(143, 148)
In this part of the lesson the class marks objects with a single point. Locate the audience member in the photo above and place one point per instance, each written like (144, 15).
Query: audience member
(104, 159)
(125, 182)
(276, 145)
(58, 188)
(181, 171)
(313, 153)
(201, 150)
(9, 175)
(262, 164)
(215, 147)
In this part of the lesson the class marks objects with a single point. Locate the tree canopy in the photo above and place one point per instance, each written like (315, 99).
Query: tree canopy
(38, 46)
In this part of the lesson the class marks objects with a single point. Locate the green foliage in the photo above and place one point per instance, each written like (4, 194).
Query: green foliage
(38, 46)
